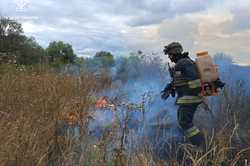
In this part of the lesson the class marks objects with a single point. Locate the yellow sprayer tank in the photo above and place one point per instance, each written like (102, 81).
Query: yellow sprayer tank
(207, 69)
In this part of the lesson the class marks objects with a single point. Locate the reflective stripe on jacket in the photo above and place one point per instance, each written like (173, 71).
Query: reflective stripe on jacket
(189, 100)
(194, 83)
(191, 84)
(187, 82)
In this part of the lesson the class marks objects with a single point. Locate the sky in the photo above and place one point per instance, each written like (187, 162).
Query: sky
(123, 26)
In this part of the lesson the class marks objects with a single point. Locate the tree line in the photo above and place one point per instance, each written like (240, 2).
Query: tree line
(19, 49)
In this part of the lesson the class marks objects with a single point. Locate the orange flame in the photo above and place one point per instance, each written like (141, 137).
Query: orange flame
(71, 119)
(102, 102)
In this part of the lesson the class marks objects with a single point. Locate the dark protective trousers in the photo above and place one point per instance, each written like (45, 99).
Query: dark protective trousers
(185, 115)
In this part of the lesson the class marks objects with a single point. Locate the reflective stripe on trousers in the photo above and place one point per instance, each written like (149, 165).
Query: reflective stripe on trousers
(192, 132)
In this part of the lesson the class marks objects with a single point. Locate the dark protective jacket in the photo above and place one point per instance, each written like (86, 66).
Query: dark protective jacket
(187, 82)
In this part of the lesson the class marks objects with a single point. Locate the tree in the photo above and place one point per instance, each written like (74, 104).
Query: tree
(30, 52)
(59, 52)
(10, 35)
(14, 44)
(9, 27)
(105, 59)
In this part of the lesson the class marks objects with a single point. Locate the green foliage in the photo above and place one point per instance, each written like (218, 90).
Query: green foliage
(10, 35)
(104, 59)
(10, 27)
(14, 44)
(60, 53)
(134, 60)
(30, 52)
(79, 60)
(134, 63)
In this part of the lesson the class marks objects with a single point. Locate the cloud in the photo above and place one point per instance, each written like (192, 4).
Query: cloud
(183, 29)
(203, 31)
(240, 19)
(154, 12)
(124, 26)
(190, 6)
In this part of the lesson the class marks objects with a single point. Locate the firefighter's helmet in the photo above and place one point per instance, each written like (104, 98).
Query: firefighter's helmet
(173, 48)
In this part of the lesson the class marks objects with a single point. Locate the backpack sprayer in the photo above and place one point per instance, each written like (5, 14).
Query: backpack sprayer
(209, 75)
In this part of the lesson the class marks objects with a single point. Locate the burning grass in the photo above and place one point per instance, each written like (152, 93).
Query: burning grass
(44, 121)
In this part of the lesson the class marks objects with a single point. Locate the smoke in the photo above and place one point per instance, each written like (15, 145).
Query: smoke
(235, 77)
(136, 82)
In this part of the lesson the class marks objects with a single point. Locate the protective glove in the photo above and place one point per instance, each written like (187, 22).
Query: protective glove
(164, 95)
(167, 91)
(172, 92)
(219, 84)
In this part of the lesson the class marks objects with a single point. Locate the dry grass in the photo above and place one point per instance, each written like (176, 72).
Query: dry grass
(35, 106)
(228, 143)
(32, 106)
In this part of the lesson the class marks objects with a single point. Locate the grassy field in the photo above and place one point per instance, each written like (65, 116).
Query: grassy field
(35, 104)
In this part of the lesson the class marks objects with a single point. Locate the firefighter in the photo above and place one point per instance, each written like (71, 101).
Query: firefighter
(186, 83)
